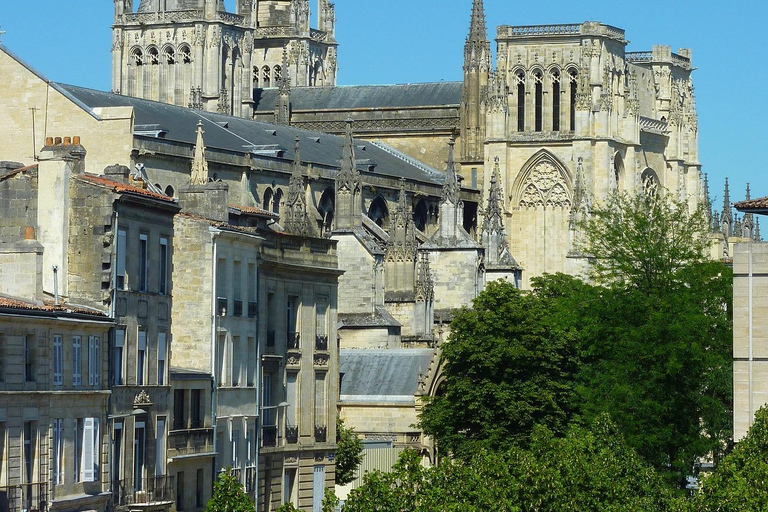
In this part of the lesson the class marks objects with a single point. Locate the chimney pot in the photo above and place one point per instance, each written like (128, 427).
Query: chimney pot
(57, 141)
(48, 141)
(67, 141)
(76, 140)
(29, 233)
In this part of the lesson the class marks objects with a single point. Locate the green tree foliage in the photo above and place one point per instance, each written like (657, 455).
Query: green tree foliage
(349, 453)
(655, 338)
(229, 495)
(740, 482)
(585, 470)
(507, 368)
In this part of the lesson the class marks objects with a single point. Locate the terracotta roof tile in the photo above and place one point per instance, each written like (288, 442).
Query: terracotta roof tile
(14, 172)
(122, 188)
(760, 203)
(255, 210)
(9, 303)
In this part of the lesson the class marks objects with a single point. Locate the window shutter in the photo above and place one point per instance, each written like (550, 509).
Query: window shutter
(90, 361)
(88, 445)
(58, 353)
(77, 361)
(96, 361)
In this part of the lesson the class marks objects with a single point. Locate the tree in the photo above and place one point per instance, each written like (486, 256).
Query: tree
(349, 453)
(229, 495)
(740, 482)
(585, 470)
(655, 340)
(506, 369)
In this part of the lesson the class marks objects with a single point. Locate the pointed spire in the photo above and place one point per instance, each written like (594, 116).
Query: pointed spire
(726, 217)
(285, 75)
(296, 218)
(493, 222)
(283, 105)
(349, 176)
(477, 30)
(425, 287)
(199, 175)
(758, 238)
(451, 184)
(402, 244)
(748, 224)
(748, 198)
(348, 211)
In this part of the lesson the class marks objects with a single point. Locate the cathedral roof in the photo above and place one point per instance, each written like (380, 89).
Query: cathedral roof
(171, 5)
(179, 124)
(381, 375)
(364, 96)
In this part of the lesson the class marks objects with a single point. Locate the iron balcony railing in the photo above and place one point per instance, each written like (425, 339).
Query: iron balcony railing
(321, 342)
(292, 434)
(293, 342)
(190, 442)
(321, 433)
(29, 497)
(269, 435)
(146, 491)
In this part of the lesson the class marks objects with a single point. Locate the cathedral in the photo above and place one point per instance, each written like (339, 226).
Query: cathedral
(295, 248)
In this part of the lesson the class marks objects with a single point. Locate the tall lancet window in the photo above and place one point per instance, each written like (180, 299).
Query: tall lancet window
(555, 101)
(520, 101)
(539, 100)
(573, 75)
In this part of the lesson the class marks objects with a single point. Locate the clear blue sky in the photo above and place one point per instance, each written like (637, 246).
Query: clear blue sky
(399, 41)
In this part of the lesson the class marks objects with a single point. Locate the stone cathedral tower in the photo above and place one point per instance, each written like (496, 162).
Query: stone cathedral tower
(477, 68)
(194, 53)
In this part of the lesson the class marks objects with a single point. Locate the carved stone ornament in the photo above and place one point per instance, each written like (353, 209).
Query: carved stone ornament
(321, 359)
(142, 398)
(293, 358)
(545, 186)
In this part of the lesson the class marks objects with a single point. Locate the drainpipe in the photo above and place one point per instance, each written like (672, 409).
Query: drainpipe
(750, 279)
(55, 269)
(214, 342)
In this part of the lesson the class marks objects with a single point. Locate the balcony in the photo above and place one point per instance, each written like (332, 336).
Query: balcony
(269, 436)
(293, 341)
(148, 491)
(197, 441)
(251, 479)
(292, 434)
(321, 433)
(29, 497)
(321, 343)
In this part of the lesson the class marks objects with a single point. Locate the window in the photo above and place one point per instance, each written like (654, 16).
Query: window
(268, 414)
(29, 358)
(250, 361)
(235, 448)
(291, 389)
(143, 262)
(318, 488)
(555, 101)
(58, 451)
(200, 488)
(252, 312)
(119, 360)
(79, 449)
(197, 408)
(117, 451)
(572, 107)
(58, 360)
(163, 285)
(520, 101)
(3, 478)
(2, 374)
(93, 361)
(91, 449)
(162, 351)
(179, 422)
(237, 282)
(30, 444)
(289, 486)
(120, 256)
(265, 77)
(221, 287)
(237, 361)
(539, 100)
(290, 321)
(180, 490)
(141, 359)
(77, 361)
(160, 447)
(139, 440)
(320, 400)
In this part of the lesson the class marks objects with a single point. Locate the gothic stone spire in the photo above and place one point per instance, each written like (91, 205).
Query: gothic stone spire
(402, 238)
(451, 184)
(297, 220)
(283, 105)
(726, 218)
(477, 30)
(199, 175)
(348, 209)
(493, 232)
(748, 224)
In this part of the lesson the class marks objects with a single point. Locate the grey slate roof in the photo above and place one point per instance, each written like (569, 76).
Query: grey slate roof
(364, 96)
(239, 135)
(171, 5)
(382, 375)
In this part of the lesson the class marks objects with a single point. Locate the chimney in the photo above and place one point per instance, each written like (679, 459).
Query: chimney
(118, 172)
(210, 200)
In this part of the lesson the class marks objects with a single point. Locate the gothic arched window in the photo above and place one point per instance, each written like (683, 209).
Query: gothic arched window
(326, 208)
(420, 215)
(138, 57)
(266, 77)
(538, 79)
(544, 184)
(378, 212)
(618, 171)
(169, 191)
(154, 56)
(169, 57)
(186, 54)
(651, 185)
(267, 202)
(572, 75)
(276, 201)
(520, 101)
(277, 72)
(555, 100)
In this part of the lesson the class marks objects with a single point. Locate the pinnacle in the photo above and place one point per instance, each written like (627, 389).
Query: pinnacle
(477, 30)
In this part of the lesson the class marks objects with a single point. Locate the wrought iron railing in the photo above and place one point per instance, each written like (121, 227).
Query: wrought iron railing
(293, 341)
(269, 435)
(238, 308)
(221, 306)
(292, 434)
(321, 342)
(251, 475)
(146, 491)
(190, 442)
(321, 434)
(29, 497)
(252, 309)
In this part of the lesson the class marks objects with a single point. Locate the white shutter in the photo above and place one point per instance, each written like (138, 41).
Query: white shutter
(318, 488)
(88, 446)
(96, 448)
(58, 363)
(77, 361)
(90, 361)
(93, 361)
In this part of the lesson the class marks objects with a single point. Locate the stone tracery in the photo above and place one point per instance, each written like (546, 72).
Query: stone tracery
(545, 186)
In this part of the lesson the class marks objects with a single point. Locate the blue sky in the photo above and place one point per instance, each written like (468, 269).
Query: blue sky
(400, 41)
